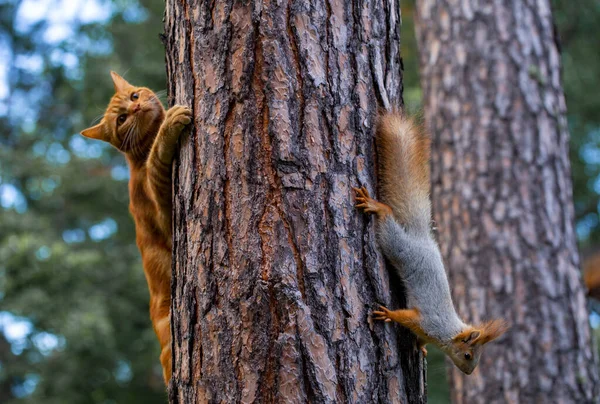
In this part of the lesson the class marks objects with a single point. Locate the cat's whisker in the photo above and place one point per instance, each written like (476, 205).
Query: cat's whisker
(125, 72)
(97, 119)
(124, 141)
(134, 146)
(127, 140)
(134, 139)
(162, 98)
(137, 149)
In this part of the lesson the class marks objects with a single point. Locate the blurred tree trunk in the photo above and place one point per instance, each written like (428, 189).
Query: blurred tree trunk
(275, 272)
(503, 198)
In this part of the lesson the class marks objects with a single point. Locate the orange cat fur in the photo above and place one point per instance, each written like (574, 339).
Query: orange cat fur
(136, 123)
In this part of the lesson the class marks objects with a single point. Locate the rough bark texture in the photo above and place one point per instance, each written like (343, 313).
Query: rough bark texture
(502, 196)
(275, 272)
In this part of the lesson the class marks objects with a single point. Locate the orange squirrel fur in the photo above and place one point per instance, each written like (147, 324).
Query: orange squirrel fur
(403, 226)
(136, 123)
(591, 275)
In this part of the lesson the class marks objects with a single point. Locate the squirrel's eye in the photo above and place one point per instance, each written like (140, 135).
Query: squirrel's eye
(134, 96)
(122, 118)
(468, 356)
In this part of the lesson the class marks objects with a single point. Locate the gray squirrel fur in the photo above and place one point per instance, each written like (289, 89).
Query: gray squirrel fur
(417, 260)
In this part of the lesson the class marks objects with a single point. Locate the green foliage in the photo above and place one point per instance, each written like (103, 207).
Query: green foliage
(577, 30)
(71, 278)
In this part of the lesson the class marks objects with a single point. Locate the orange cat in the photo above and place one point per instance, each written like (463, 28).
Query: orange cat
(135, 122)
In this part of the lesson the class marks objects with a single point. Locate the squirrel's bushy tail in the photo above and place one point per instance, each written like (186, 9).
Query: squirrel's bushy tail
(403, 148)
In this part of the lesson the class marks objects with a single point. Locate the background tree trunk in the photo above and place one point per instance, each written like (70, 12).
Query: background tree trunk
(503, 198)
(275, 272)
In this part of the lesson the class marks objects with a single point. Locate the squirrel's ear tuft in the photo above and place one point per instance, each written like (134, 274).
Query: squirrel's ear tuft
(467, 336)
(492, 330)
(472, 336)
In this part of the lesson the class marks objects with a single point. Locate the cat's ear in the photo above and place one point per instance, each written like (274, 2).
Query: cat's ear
(94, 132)
(119, 82)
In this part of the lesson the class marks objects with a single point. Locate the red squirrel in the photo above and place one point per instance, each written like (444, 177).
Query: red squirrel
(403, 227)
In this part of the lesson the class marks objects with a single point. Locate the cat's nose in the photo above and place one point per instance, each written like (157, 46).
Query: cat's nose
(136, 108)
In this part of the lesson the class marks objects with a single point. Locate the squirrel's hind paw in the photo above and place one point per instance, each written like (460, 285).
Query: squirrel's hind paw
(370, 205)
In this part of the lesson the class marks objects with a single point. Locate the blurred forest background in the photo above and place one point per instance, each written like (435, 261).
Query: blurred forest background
(74, 325)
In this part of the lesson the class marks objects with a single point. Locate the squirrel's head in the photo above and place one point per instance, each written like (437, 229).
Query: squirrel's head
(466, 347)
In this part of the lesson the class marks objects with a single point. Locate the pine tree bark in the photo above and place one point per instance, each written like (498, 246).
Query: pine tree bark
(503, 197)
(275, 273)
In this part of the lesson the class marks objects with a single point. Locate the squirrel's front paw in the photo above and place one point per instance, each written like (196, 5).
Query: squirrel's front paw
(383, 314)
(178, 117)
(363, 199)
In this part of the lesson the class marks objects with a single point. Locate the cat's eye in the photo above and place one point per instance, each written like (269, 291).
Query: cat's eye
(121, 119)
(468, 356)
(134, 96)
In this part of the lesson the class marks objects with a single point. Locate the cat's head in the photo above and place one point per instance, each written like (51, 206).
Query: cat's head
(132, 119)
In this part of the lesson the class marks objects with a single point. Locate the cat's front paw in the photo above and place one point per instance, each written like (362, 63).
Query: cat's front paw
(178, 117)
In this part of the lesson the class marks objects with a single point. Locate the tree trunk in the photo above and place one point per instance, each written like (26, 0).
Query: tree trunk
(503, 197)
(275, 273)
